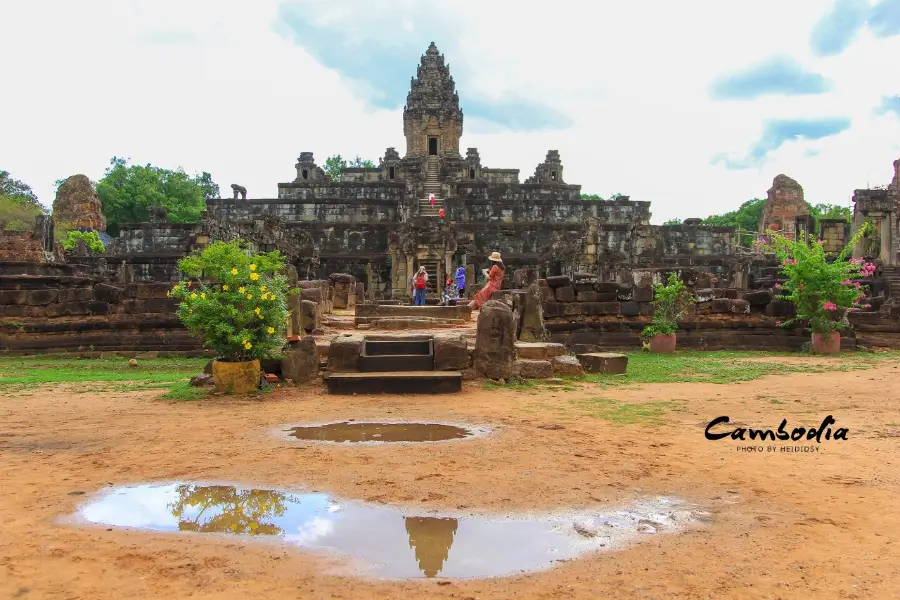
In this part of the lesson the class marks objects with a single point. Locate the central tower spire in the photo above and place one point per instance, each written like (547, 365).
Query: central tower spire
(432, 119)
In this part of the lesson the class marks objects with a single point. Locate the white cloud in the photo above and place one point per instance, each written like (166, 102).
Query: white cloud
(215, 86)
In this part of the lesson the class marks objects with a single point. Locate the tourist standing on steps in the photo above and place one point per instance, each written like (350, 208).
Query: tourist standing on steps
(461, 281)
(494, 281)
(420, 287)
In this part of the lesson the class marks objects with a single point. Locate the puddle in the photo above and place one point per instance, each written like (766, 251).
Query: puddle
(351, 431)
(382, 540)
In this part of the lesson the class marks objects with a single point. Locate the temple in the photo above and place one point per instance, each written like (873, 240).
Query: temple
(378, 224)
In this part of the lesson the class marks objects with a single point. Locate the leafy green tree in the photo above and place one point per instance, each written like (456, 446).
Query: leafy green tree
(675, 221)
(671, 301)
(224, 509)
(591, 197)
(18, 204)
(127, 191)
(334, 164)
(91, 240)
(829, 211)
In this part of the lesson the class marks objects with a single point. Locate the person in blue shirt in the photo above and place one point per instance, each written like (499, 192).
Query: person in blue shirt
(461, 281)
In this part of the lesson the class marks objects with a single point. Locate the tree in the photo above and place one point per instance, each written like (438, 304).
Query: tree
(675, 221)
(829, 211)
(334, 164)
(18, 204)
(91, 240)
(127, 192)
(615, 196)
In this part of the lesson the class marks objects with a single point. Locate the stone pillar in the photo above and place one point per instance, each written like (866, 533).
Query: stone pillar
(495, 341)
(370, 282)
(887, 231)
(409, 275)
(858, 219)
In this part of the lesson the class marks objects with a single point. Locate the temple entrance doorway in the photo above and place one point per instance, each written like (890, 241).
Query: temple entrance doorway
(432, 146)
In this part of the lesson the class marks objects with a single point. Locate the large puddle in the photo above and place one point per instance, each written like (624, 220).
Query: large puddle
(351, 431)
(382, 540)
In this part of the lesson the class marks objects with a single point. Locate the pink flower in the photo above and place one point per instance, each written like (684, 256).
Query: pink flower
(777, 285)
(777, 322)
(846, 282)
(829, 306)
(790, 261)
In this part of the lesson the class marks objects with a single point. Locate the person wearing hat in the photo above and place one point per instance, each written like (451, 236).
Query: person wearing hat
(494, 281)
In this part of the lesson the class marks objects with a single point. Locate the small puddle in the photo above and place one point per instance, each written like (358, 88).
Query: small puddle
(382, 540)
(381, 432)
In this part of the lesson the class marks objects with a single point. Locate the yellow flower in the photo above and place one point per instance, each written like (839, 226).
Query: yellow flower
(252, 267)
(234, 271)
(254, 276)
(203, 295)
(248, 345)
(225, 288)
(249, 296)
(193, 296)
(262, 288)
(261, 316)
(241, 290)
(256, 310)
(271, 330)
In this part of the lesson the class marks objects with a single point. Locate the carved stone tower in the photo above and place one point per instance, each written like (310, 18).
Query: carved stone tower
(432, 119)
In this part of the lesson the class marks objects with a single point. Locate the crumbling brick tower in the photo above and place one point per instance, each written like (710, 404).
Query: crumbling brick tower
(432, 119)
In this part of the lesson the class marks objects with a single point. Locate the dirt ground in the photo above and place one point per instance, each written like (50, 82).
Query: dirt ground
(784, 525)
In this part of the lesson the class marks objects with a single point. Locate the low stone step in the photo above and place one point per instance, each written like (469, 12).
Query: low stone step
(396, 362)
(405, 382)
(397, 347)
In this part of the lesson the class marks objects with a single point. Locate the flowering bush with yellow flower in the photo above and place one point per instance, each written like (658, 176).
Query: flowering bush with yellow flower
(239, 307)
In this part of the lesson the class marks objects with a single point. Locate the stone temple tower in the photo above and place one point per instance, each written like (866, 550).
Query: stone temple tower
(432, 119)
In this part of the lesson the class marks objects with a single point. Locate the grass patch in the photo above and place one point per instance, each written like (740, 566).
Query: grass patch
(20, 374)
(184, 392)
(693, 366)
(622, 413)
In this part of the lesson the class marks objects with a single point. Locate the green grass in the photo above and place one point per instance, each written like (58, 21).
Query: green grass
(113, 374)
(183, 392)
(692, 366)
(622, 413)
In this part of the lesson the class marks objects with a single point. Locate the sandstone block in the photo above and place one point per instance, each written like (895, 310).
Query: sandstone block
(630, 309)
(606, 287)
(573, 309)
(522, 278)
(610, 308)
(533, 369)
(590, 296)
(583, 286)
(567, 365)
(42, 297)
(343, 353)
(625, 291)
(450, 353)
(604, 362)
(310, 318)
(553, 309)
(300, 362)
(532, 319)
(555, 281)
(704, 295)
(643, 293)
(494, 341)
(539, 350)
(731, 293)
(740, 307)
(546, 292)
(108, 293)
(313, 294)
(721, 305)
(780, 308)
(758, 297)
(565, 293)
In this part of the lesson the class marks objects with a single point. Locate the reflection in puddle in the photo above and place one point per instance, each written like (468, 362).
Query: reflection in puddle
(381, 537)
(379, 432)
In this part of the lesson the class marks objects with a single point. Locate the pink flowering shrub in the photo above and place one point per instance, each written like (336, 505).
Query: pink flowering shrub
(821, 291)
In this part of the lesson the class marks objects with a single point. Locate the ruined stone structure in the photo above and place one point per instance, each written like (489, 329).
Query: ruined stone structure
(77, 206)
(378, 224)
(785, 211)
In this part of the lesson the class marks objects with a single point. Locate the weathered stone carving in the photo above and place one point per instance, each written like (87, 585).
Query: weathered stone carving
(158, 214)
(495, 341)
(239, 190)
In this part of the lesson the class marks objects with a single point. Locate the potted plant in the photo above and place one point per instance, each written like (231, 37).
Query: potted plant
(238, 304)
(670, 304)
(822, 291)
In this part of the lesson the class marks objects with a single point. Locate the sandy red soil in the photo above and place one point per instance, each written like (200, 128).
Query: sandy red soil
(784, 525)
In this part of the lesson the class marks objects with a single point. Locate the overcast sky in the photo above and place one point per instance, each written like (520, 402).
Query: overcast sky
(695, 105)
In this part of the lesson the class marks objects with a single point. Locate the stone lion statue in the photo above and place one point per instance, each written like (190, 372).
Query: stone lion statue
(239, 189)
(158, 214)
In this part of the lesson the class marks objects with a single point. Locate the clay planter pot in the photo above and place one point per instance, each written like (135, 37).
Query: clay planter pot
(826, 343)
(235, 377)
(663, 343)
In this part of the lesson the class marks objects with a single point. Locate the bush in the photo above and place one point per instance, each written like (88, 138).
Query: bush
(670, 304)
(240, 307)
(821, 291)
(91, 240)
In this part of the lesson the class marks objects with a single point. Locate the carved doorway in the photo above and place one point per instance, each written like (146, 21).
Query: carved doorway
(432, 146)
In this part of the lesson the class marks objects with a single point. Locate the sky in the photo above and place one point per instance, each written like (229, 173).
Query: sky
(694, 106)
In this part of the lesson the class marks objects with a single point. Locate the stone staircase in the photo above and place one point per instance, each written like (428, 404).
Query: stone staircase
(432, 186)
(892, 276)
(401, 365)
(431, 267)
